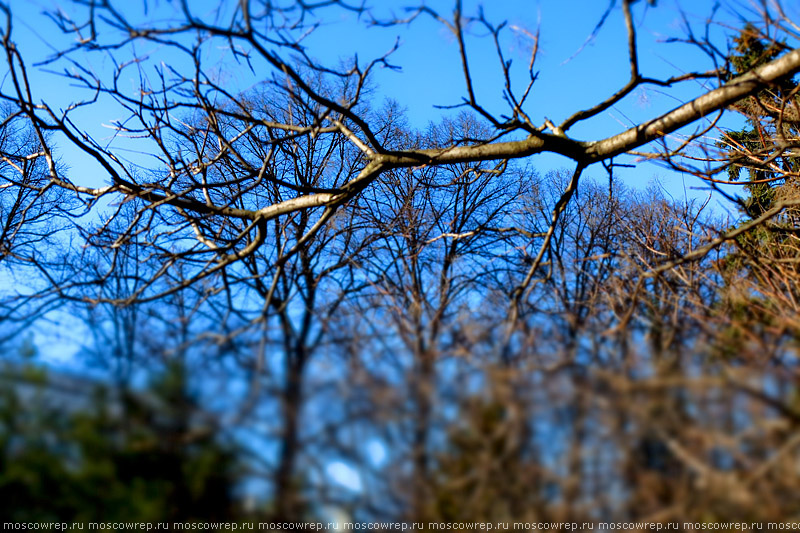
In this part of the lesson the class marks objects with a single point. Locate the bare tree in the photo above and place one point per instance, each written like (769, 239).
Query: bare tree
(186, 105)
(277, 209)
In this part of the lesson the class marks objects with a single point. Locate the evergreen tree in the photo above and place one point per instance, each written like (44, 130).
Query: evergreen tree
(127, 456)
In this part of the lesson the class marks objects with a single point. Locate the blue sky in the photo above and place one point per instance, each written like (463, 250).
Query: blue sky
(573, 73)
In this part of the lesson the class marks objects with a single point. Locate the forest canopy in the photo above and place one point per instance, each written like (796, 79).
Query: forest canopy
(296, 299)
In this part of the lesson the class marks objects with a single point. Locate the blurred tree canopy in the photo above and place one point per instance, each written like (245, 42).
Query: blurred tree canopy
(275, 273)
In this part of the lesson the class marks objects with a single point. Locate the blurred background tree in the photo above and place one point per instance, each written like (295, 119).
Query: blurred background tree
(72, 450)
